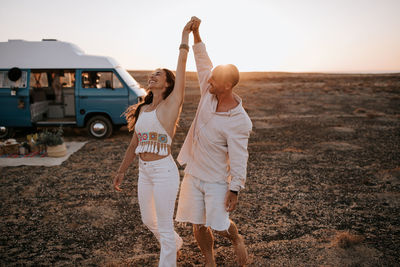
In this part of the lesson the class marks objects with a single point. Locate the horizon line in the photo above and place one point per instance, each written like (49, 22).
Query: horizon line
(300, 72)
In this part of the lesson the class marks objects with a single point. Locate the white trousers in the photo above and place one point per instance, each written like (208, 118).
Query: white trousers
(157, 190)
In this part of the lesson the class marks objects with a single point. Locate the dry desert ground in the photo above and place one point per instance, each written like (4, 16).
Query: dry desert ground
(323, 185)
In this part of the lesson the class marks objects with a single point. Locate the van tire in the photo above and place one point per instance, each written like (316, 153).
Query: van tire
(6, 132)
(99, 127)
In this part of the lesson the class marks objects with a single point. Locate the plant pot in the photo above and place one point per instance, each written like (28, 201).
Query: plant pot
(57, 151)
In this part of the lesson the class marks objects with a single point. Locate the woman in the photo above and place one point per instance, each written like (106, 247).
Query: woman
(154, 123)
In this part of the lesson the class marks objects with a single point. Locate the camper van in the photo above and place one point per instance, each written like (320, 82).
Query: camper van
(51, 83)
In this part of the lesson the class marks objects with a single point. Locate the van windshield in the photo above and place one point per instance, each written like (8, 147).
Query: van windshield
(127, 77)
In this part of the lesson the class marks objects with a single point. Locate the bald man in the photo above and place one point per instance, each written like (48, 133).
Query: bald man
(215, 154)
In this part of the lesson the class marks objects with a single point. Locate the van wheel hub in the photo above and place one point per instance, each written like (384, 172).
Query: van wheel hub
(98, 128)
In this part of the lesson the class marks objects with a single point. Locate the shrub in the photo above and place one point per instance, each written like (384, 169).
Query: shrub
(51, 138)
(347, 240)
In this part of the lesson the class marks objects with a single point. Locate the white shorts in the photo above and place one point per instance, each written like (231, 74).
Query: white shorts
(203, 203)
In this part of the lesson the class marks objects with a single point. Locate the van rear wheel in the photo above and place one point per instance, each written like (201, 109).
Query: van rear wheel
(99, 127)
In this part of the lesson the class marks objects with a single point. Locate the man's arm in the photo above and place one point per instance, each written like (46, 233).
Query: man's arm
(238, 154)
(195, 28)
(203, 62)
(237, 140)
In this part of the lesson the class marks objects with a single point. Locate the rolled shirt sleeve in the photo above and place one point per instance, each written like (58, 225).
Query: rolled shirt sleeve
(203, 65)
(237, 140)
(203, 112)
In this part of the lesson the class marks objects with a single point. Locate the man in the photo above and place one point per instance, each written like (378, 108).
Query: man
(215, 154)
(56, 85)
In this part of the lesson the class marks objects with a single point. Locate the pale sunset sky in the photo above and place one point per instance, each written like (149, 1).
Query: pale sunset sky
(357, 36)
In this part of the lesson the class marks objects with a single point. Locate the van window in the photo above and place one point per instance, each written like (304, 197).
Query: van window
(68, 79)
(39, 79)
(6, 83)
(100, 79)
(49, 84)
(44, 78)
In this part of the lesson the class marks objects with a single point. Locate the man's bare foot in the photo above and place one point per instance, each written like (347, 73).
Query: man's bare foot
(210, 263)
(240, 251)
(210, 259)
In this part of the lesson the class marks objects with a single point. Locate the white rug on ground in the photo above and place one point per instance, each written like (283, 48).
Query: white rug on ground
(72, 147)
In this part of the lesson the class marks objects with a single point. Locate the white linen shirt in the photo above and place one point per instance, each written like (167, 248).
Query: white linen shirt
(215, 148)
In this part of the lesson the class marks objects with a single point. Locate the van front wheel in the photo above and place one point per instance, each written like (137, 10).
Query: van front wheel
(99, 127)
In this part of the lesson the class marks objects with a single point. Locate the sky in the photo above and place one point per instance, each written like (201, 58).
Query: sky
(346, 36)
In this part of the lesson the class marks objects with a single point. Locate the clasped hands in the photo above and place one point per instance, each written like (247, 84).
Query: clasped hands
(192, 25)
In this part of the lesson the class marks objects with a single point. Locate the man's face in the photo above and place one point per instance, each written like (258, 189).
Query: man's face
(217, 86)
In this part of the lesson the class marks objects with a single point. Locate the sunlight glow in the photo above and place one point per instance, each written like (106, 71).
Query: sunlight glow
(255, 35)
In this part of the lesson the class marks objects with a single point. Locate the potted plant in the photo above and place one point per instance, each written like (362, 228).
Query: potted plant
(54, 142)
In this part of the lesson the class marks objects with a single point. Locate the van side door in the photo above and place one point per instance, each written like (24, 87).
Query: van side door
(101, 91)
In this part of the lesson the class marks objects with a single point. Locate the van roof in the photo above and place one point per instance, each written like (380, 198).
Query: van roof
(49, 54)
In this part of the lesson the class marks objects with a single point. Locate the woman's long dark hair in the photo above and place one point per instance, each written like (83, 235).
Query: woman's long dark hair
(132, 112)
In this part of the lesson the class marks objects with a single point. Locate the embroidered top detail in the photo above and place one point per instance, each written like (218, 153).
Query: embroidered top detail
(152, 137)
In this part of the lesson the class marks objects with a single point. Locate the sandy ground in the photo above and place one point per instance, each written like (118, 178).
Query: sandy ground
(323, 186)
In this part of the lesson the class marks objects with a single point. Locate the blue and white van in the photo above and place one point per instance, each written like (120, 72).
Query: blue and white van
(49, 83)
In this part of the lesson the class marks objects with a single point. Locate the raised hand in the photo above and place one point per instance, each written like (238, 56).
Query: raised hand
(188, 27)
(196, 23)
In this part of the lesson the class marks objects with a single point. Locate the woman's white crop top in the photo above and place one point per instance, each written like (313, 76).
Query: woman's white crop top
(152, 137)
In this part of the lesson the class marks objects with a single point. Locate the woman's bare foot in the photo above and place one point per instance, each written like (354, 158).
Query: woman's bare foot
(240, 251)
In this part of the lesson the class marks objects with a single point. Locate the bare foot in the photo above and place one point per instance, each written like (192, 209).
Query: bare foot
(241, 251)
(210, 263)
(209, 259)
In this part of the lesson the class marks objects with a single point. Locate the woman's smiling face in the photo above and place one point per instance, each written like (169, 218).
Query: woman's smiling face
(157, 80)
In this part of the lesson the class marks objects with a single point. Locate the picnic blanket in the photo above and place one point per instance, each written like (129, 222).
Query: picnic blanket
(40, 159)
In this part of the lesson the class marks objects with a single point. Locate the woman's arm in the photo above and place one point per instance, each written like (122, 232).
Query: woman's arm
(177, 95)
(168, 112)
(128, 159)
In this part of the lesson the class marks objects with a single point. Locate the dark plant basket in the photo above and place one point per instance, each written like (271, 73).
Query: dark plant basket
(51, 138)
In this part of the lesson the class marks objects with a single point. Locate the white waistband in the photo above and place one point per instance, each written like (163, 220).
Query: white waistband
(157, 161)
